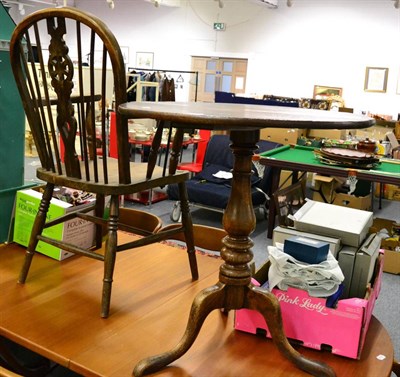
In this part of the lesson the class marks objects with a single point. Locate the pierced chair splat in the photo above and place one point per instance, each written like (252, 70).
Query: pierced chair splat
(65, 100)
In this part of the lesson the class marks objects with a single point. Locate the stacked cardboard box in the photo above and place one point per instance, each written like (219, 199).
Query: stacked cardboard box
(282, 135)
(313, 321)
(326, 189)
(391, 192)
(389, 245)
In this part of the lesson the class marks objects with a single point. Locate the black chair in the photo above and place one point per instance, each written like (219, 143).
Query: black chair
(209, 192)
(65, 104)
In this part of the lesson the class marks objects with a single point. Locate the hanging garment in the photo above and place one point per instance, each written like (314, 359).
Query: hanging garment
(151, 91)
(168, 89)
(131, 94)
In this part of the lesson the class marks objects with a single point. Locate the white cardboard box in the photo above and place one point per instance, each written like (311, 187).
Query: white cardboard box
(364, 265)
(78, 231)
(349, 224)
(346, 259)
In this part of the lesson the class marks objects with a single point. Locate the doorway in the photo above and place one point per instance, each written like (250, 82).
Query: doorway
(218, 74)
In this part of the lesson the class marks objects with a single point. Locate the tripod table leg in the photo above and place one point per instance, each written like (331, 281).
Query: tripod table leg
(206, 301)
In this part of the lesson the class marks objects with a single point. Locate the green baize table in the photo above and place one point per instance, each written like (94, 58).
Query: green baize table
(300, 158)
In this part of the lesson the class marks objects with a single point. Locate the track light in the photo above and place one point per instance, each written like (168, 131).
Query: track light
(220, 3)
(289, 3)
(397, 4)
(21, 9)
(110, 3)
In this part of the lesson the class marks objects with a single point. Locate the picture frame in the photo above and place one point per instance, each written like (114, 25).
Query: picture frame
(376, 79)
(125, 53)
(325, 92)
(398, 83)
(144, 60)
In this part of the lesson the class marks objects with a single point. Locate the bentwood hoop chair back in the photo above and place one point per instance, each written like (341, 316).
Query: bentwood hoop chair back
(143, 221)
(69, 69)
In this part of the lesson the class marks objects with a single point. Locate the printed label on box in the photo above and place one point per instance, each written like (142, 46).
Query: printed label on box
(308, 320)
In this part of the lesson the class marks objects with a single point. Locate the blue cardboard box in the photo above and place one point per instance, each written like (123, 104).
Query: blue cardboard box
(306, 249)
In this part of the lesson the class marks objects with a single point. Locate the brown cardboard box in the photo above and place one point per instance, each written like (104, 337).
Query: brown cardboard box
(324, 190)
(282, 135)
(285, 178)
(373, 133)
(328, 134)
(397, 130)
(359, 202)
(391, 192)
(392, 257)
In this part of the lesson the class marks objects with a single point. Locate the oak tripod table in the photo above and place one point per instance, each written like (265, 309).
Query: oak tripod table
(234, 289)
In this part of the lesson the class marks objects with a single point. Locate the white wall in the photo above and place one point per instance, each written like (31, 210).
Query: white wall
(323, 42)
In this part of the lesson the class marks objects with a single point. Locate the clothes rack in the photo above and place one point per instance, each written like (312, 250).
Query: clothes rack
(196, 73)
(140, 85)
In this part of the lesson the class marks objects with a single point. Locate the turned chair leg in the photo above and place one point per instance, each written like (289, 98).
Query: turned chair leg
(110, 255)
(188, 230)
(37, 229)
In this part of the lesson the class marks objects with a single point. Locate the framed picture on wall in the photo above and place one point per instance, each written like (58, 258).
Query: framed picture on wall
(376, 79)
(398, 83)
(125, 53)
(325, 92)
(144, 60)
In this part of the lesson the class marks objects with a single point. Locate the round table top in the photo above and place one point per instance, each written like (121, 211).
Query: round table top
(229, 116)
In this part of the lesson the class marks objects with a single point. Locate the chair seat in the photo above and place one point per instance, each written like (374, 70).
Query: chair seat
(138, 178)
(192, 167)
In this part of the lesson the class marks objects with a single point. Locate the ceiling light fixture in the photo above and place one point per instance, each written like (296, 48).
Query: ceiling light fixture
(110, 3)
(397, 4)
(14, 2)
(220, 3)
(49, 3)
(289, 3)
(21, 9)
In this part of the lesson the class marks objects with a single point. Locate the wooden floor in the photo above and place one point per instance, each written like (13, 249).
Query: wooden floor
(57, 314)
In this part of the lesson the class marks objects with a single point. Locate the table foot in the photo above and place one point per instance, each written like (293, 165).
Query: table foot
(268, 305)
(206, 301)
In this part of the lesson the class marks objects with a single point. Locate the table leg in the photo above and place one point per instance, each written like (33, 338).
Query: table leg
(234, 289)
(275, 177)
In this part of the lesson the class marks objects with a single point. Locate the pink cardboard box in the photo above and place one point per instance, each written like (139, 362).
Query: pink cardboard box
(307, 319)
